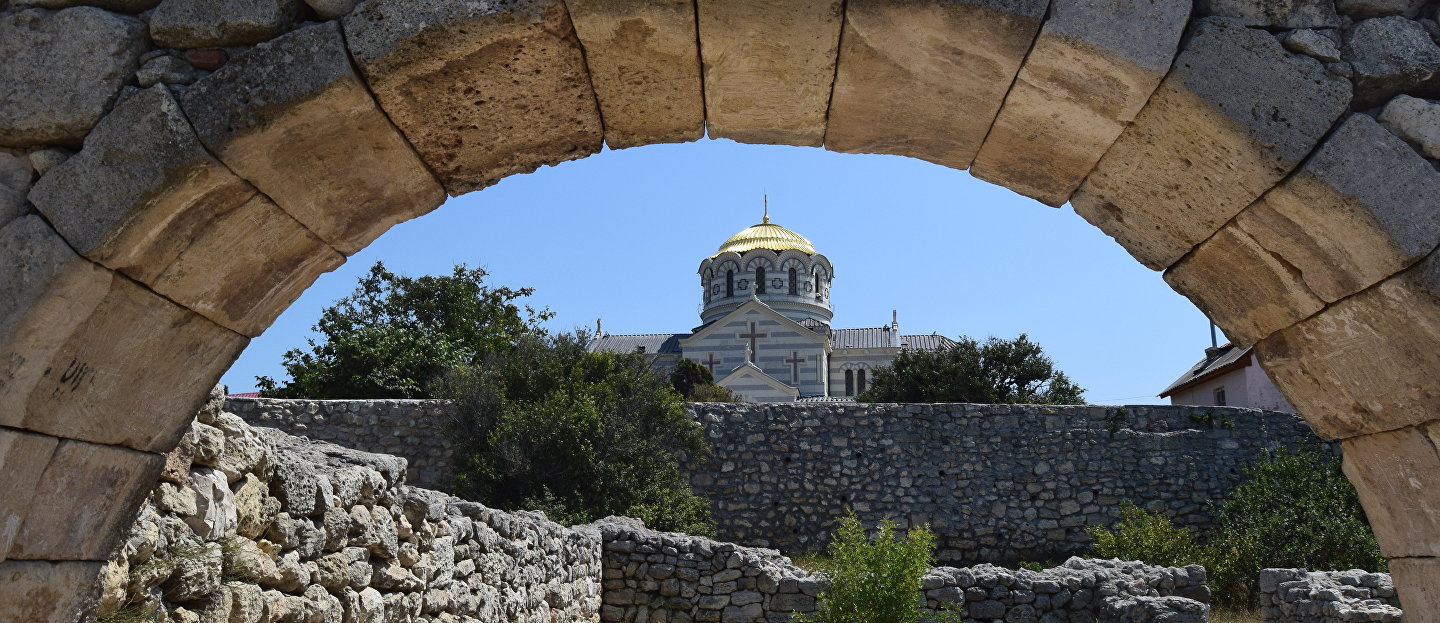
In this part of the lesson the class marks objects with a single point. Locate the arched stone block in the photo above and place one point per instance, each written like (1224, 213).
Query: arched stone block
(768, 68)
(1234, 116)
(644, 60)
(23, 457)
(1367, 363)
(1092, 68)
(109, 481)
(87, 354)
(933, 73)
(1397, 475)
(482, 90)
(52, 592)
(1324, 233)
(293, 118)
(1418, 581)
(146, 199)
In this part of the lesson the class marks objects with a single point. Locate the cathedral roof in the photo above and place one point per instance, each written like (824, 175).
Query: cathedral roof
(766, 235)
(879, 337)
(650, 343)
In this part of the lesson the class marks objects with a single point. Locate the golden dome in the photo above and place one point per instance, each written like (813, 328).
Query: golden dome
(766, 235)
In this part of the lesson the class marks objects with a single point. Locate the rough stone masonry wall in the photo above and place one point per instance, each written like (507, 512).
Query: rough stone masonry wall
(997, 483)
(658, 577)
(403, 428)
(251, 525)
(1300, 596)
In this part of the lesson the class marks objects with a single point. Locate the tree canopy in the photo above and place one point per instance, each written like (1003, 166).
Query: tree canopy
(394, 335)
(994, 371)
(580, 435)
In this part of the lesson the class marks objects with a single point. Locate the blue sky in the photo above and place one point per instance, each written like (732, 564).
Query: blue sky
(619, 236)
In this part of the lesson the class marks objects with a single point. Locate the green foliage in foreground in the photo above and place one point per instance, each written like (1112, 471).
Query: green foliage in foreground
(579, 435)
(1295, 509)
(394, 335)
(995, 371)
(875, 580)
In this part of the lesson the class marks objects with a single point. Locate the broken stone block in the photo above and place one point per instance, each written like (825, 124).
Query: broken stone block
(211, 23)
(1390, 55)
(63, 71)
(482, 91)
(768, 68)
(926, 80)
(644, 63)
(1415, 120)
(1198, 153)
(293, 118)
(1091, 70)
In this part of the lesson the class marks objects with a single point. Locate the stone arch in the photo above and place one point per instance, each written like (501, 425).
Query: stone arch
(136, 270)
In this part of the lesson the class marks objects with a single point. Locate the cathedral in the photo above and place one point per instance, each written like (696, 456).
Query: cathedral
(765, 325)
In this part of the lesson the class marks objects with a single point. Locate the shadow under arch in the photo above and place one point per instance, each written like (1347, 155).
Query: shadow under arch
(186, 223)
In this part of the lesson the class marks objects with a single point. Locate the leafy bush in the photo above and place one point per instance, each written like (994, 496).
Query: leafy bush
(874, 580)
(1145, 535)
(995, 371)
(1294, 509)
(580, 435)
(697, 384)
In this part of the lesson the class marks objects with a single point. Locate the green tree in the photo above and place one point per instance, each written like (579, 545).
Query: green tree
(581, 435)
(394, 335)
(994, 371)
(875, 580)
(697, 384)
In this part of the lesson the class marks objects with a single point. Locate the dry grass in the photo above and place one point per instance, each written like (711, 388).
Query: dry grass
(1234, 616)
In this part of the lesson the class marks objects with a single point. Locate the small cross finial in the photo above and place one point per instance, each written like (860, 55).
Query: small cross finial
(767, 209)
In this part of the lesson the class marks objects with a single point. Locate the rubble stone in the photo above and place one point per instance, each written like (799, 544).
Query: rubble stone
(1390, 55)
(206, 23)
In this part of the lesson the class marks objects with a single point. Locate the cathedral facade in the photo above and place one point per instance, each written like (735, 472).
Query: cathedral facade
(765, 329)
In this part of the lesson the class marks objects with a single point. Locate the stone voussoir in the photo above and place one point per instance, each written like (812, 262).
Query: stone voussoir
(481, 90)
(1415, 578)
(146, 199)
(768, 68)
(1397, 475)
(1200, 150)
(71, 334)
(1092, 68)
(644, 62)
(54, 592)
(293, 118)
(934, 72)
(1364, 364)
(23, 457)
(62, 71)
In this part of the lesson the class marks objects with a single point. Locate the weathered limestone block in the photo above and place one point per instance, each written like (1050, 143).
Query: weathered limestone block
(1242, 287)
(1397, 475)
(23, 457)
(482, 90)
(210, 23)
(165, 70)
(933, 73)
(145, 198)
(1361, 9)
(62, 71)
(1235, 114)
(331, 9)
(71, 333)
(644, 62)
(1324, 233)
(1418, 582)
(1390, 55)
(1312, 43)
(196, 575)
(54, 592)
(1366, 363)
(1274, 13)
(1415, 120)
(293, 118)
(1091, 70)
(769, 68)
(216, 515)
(113, 481)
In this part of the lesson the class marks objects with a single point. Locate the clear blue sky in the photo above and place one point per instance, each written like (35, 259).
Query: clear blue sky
(619, 235)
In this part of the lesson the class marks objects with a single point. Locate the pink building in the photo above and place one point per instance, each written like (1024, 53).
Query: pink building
(1228, 376)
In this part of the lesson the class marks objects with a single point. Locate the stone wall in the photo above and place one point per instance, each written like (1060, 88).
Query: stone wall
(997, 483)
(403, 428)
(1300, 596)
(251, 525)
(657, 577)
